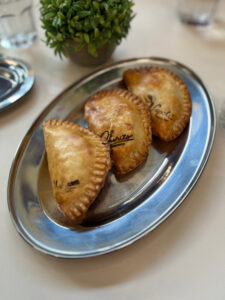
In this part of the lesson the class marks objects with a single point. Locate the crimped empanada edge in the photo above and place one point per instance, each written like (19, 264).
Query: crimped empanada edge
(102, 165)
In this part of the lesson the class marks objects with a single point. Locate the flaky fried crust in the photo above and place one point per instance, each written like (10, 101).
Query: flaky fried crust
(78, 163)
(122, 120)
(167, 96)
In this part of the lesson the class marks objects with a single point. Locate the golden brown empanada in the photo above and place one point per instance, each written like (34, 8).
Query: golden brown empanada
(122, 120)
(78, 163)
(166, 95)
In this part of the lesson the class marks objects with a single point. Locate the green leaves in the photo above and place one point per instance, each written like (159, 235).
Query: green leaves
(83, 13)
(88, 22)
(86, 38)
(96, 5)
(92, 50)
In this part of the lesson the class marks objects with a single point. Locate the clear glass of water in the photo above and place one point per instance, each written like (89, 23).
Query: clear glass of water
(197, 12)
(17, 26)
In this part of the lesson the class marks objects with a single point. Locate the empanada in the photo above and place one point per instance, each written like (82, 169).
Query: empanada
(166, 95)
(78, 163)
(123, 121)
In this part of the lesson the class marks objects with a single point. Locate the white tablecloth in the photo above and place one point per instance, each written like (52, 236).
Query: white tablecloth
(184, 258)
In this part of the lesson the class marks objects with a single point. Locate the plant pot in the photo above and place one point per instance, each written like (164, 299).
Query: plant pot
(83, 57)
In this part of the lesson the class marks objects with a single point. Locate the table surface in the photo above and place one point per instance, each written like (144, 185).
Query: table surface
(183, 258)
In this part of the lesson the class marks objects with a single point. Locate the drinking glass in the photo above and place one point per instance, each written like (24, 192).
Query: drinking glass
(17, 26)
(197, 12)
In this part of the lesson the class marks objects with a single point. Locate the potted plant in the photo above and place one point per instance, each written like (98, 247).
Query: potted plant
(85, 30)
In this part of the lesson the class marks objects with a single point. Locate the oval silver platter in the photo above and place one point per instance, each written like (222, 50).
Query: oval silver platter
(128, 207)
(16, 79)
